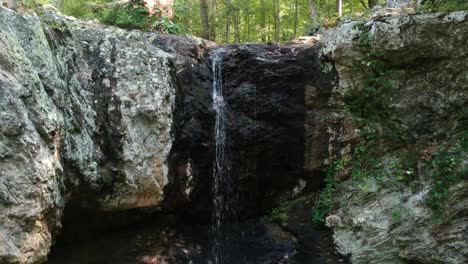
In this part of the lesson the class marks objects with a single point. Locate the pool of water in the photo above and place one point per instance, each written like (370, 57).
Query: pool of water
(245, 243)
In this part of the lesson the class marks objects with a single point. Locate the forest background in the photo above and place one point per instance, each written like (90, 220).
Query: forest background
(234, 21)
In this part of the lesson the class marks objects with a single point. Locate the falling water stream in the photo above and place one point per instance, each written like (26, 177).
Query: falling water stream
(221, 187)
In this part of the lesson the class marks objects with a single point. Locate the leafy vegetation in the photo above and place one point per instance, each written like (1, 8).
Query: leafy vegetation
(324, 203)
(134, 15)
(60, 27)
(368, 102)
(131, 15)
(259, 20)
(445, 5)
(280, 214)
(368, 105)
(445, 171)
(383, 152)
(79, 8)
(398, 215)
(235, 20)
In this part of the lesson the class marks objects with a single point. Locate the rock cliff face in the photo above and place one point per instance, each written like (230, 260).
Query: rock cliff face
(271, 92)
(397, 163)
(106, 119)
(86, 116)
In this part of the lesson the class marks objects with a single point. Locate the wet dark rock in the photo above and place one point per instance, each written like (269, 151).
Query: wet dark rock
(314, 242)
(265, 89)
(276, 99)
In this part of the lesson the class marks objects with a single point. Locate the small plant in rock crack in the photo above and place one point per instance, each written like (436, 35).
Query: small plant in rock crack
(447, 168)
(324, 203)
(280, 214)
(398, 215)
(58, 26)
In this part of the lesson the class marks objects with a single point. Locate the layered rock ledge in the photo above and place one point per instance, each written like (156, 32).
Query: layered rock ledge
(422, 61)
(86, 115)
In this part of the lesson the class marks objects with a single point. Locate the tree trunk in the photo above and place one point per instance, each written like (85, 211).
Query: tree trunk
(276, 17)
(296, 17)
(313, 13)
(371, 3)
(247, 19)
(339, 7)
(263, 20)
(205, 19)
(214, 19)
(237, 27)
(228, 21)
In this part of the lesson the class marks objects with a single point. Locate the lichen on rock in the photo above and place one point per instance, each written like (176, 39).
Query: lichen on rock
(86, 117)
(410, 70)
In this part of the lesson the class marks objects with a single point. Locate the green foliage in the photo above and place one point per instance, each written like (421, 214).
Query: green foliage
(369, 100)
(398, 215)
(165, 25)
(367, 161)
(382, 153)
(324, 203)
(246, 18)
(132, 15)
(445, 5)
(368, 103)
(61, 27)
(77, 8)
(280, 214)
(445, 172)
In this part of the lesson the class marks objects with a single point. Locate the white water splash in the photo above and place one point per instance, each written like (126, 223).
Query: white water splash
(221, 187)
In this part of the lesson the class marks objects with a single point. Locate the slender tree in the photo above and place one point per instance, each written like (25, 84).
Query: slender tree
(371, 3)
(247, 20)
(296, 16)
(277, 19)
(339, 7)
(228, 20)
(237, 26)
(214, 19)
(205, 19)
(313, 13)
(258, 20)
(263, 20)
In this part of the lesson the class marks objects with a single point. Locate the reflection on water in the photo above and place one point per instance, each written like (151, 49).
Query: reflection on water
(254, 243)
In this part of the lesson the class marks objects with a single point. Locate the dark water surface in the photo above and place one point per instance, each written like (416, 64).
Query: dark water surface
(247, 243)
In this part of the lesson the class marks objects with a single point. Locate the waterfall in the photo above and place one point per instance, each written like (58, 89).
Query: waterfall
(221, 186)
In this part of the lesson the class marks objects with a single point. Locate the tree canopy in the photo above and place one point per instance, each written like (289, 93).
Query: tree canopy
(231, 21)
(260, 20)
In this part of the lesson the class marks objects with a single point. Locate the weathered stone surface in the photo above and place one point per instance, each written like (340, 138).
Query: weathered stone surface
(134, 85)
(86, 116)
(30, 141)
(426, 58)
